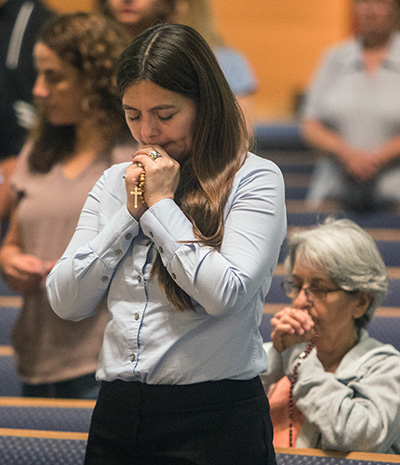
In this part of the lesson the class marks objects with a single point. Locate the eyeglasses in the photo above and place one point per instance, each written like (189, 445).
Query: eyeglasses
(313, 294)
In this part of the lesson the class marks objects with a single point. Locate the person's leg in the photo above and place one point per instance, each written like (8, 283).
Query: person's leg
(83, 387)
(112, 435)
(38, 390)
(359, 197)
(206, 424)
(229, 433)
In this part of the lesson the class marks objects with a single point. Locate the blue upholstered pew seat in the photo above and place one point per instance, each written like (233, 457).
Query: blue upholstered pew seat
(319, 457)
(31, 450)
(365, 220)
(279, 136)
(8, 317)
(46, 418)
(389, 249)
(10, 384)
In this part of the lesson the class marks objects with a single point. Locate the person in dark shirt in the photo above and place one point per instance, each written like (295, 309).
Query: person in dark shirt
(20, 20)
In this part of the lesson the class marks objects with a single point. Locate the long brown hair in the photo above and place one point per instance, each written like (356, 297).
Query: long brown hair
(177, 58)
(93, 45)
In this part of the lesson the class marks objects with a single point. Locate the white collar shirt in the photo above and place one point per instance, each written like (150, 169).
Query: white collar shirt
(363, 108)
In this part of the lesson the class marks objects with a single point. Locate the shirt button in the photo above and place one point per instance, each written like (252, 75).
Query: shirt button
(139, 278)
(149, 243)
(137, 316)
(133, 357)
(118, 252)
(173, 276)
(128, 236)
(161, 250)
(151, 234)
(104, 279)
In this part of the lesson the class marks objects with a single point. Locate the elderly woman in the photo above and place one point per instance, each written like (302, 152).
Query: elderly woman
(331, 386)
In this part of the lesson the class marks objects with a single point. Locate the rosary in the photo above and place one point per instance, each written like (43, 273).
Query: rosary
(293, 379)
(139, 189)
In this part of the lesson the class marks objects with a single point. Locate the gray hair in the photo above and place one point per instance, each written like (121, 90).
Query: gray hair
(347, 254)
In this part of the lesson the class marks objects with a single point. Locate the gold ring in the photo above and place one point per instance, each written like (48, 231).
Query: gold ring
(154, 155)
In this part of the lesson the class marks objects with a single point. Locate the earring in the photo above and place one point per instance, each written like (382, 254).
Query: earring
(85, 105)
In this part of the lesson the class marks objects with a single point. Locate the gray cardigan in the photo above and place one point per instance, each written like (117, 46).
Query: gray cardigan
(355, 409)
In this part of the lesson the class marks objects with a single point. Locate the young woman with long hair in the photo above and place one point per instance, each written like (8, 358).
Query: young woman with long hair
(182, 243)
(80, 131)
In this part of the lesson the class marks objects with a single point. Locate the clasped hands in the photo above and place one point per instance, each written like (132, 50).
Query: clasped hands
(26, 273)
(361, 165)
(291, 326)
(160, 182)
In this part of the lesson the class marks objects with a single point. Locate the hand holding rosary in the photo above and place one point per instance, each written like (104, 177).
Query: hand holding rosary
(140, 188)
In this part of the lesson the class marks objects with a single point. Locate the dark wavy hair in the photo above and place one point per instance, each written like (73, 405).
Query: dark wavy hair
(92, 44)
(177, 58)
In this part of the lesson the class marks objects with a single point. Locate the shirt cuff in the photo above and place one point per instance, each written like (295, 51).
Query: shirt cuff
(166, 225)
(113, 241)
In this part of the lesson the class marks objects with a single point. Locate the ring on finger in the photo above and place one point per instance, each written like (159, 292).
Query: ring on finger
(154, 155)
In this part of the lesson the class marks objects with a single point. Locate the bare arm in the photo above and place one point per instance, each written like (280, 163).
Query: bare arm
(22, 272)
(389, 152)
(7, 169)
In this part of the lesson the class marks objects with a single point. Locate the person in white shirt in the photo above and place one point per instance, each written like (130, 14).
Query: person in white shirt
(182, 243)
(351, 118)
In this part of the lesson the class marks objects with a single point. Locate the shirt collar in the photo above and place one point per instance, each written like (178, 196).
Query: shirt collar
(393, 59)
(354, 62)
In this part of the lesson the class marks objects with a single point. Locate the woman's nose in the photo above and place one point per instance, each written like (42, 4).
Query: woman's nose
(301, 300)
(40, 88)
(149, 130)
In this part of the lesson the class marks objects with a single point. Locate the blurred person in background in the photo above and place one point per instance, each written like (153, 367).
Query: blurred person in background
(137, 15)
(79, 132)
(352, 117)
(235, 66)
(330, 385)
(20, 21)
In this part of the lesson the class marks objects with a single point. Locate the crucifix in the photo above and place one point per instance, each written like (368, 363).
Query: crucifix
(136, 193)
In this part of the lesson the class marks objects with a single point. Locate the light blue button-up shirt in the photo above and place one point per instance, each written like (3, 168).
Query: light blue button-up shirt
(146, 339)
